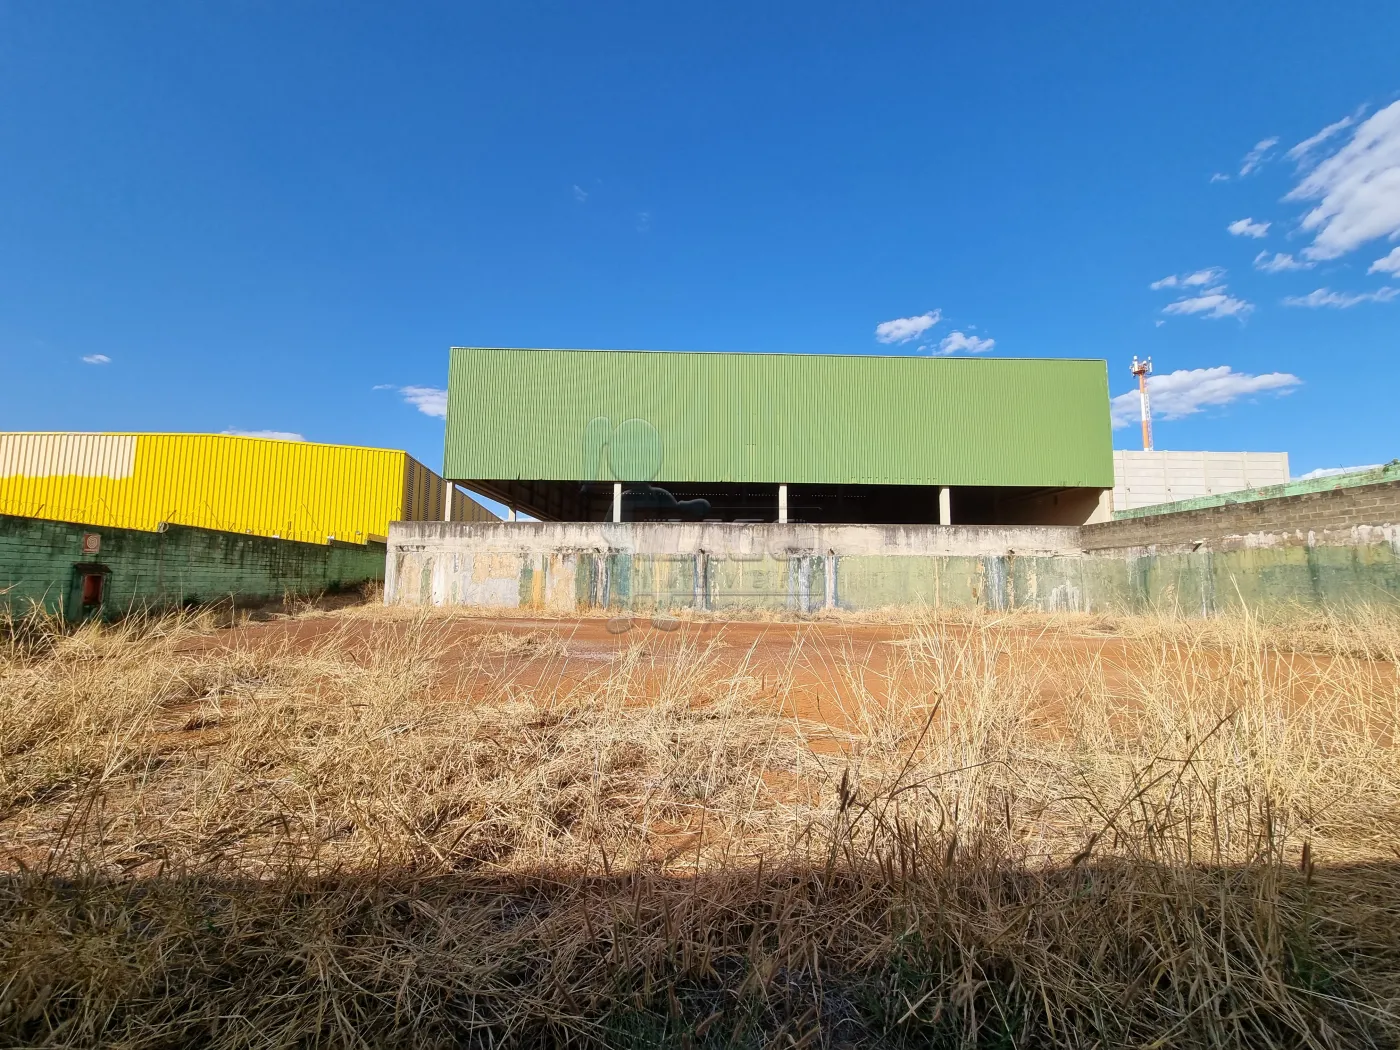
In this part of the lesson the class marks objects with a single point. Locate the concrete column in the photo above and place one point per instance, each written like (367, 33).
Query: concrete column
(447, 502)
(617, 501)
(945, 505)
(510, 514)
(782, 504)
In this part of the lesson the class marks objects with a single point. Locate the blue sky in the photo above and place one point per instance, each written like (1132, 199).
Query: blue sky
(279, 216)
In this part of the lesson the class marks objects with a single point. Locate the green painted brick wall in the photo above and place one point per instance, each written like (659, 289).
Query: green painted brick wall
(182, 564)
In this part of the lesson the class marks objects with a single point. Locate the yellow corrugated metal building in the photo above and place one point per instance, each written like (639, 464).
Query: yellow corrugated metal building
(295, 490)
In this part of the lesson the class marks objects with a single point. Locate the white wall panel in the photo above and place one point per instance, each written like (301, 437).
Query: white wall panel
(1144, 479)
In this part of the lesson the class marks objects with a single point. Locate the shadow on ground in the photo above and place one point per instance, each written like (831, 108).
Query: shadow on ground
(935, 946)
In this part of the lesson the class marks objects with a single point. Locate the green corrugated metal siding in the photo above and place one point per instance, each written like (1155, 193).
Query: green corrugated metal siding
(796, 418)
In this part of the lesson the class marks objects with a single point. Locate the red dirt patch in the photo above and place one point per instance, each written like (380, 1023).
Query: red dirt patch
(818, 672)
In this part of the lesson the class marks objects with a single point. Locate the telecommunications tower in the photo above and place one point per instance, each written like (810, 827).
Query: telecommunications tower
(1142, 369)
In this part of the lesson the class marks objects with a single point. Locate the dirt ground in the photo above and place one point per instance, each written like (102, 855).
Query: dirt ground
(815, 671)
(488, 823)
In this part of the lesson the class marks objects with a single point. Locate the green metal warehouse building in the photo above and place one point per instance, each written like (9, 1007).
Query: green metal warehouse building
(598, 435)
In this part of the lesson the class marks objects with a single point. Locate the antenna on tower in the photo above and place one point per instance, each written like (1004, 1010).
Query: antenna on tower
(1142, 369)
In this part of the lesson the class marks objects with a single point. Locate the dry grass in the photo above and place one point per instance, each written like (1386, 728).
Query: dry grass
(239, 844)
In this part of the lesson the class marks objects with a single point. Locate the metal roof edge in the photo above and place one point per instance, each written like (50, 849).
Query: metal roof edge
(773, 353)
(196, 433)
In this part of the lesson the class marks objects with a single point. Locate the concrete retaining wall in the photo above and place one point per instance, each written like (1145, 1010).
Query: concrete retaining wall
(643, 568)
(1332, 548)
(40, 560)
(566, 567)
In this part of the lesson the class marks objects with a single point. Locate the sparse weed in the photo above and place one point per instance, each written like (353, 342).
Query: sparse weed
(423, 830)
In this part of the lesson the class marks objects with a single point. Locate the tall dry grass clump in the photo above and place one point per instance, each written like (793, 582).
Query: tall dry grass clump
(439, 832)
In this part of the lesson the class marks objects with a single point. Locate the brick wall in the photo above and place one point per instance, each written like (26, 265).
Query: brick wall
(182, 564)
(1332, 516)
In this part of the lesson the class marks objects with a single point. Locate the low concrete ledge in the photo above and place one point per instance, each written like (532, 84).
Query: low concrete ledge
(1355, 536)
(721, 538)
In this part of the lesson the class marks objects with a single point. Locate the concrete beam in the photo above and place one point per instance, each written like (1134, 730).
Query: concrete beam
(729, 539)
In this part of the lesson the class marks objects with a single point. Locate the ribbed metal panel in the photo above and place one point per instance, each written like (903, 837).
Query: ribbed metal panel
(425, 498)
(292, 489)
(81, 455)
(802, 419)
(464, 508)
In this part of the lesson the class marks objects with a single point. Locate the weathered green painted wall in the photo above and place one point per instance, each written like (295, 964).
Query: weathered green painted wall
(1201, 583)
(1204, 582)
(181, 564)
(781, 569)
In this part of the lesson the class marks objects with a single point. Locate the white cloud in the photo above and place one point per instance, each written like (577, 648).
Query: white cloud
(903, 329)
(1327, 472)
(97, 359)
(1279, 262)
(1220, 177)
(1341, 300)
(274, 435)
(427, 399)
(1387, 264)
(1249, 228)
(1190, 280)
(1213, 301)
(957, 341)
(1300, 153)
(580, 194)
(1256, 158)
(1187, 391)
(1357, 189)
